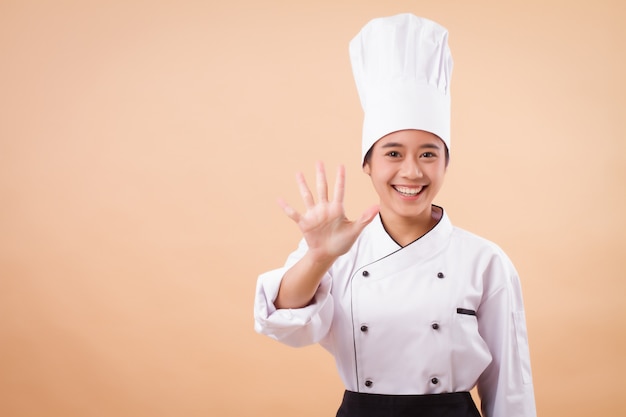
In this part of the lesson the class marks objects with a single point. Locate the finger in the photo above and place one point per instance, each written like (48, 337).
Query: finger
(322, 183)
(305, 192)
(340, 184)
(289, 211)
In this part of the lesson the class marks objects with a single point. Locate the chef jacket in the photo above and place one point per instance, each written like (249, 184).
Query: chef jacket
(442, 314)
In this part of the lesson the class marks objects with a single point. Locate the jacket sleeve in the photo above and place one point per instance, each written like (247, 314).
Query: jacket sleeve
(505, 387)
(293, 327)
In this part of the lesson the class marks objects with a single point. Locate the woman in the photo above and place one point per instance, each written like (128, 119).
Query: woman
(415, 311)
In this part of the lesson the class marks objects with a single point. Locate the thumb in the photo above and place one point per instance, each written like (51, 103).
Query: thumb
(367, 217)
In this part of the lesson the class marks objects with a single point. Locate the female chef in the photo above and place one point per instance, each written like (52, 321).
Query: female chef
(415, 311)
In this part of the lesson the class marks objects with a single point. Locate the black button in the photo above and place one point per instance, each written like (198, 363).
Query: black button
(440, 275)
(435, 326)
(366, 274)
(364, 328)
(435, 380)
(368, 383)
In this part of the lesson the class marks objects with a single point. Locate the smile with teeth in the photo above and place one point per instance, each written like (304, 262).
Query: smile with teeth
(408, 191)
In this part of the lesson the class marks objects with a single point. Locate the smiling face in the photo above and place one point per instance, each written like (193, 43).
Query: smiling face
(407, 169)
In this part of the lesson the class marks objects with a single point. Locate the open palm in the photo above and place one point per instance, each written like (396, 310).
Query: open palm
(324, 225)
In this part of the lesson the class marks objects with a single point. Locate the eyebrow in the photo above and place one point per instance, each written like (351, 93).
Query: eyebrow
(399, 145)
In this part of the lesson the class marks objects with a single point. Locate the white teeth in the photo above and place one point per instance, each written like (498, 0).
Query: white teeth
(410, 192)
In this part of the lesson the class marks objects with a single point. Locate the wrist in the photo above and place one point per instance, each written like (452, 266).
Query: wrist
(320, 259)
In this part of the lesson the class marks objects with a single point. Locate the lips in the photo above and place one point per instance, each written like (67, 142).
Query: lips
(408, 191)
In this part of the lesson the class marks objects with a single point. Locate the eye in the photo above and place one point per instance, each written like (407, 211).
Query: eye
(428, 155)
(393, 154)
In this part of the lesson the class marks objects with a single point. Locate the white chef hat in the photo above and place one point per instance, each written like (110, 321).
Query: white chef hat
(402, 67)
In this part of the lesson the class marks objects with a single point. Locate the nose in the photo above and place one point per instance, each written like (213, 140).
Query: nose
(410, 169)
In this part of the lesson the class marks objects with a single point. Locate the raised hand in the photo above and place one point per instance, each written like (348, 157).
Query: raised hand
(324, 225)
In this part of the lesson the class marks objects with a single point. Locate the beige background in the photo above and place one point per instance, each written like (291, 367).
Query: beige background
(143, 145)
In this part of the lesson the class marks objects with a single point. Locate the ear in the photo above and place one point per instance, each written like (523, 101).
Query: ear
(366, 168)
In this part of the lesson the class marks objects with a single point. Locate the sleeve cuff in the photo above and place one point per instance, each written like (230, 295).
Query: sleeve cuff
(295, 327)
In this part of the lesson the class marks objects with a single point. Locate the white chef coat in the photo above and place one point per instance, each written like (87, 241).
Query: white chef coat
(441, 314)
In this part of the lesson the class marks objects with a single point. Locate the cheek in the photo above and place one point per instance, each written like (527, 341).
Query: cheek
(439, 175)
(379, 180)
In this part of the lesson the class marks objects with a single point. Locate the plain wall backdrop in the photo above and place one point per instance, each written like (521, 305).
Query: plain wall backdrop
(143, 145)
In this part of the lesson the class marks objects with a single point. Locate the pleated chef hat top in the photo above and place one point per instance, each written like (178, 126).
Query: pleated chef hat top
(402, 67)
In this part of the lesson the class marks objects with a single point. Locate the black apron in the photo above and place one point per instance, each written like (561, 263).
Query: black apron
(456, 404)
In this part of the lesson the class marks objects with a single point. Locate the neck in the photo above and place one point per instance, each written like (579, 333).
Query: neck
(405, 230)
